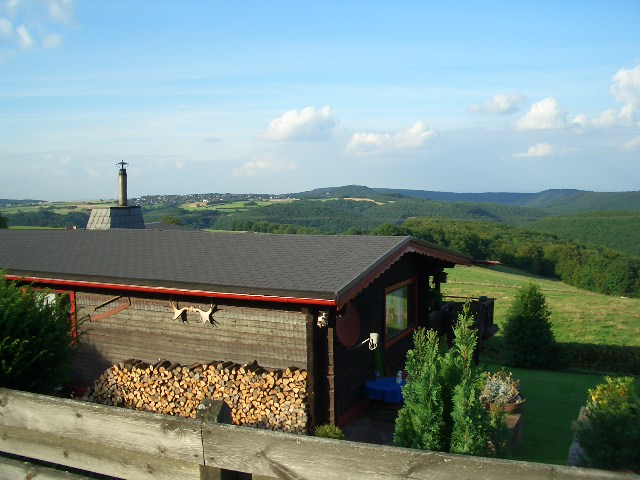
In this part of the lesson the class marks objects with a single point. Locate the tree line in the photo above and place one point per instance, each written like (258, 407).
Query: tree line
(586, 266)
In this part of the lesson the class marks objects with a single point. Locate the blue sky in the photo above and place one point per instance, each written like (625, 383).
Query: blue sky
(278, 97)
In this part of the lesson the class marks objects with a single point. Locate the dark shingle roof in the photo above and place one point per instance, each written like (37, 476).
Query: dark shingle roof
(299, 266)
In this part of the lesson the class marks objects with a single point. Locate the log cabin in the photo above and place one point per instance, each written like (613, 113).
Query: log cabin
(314, 302)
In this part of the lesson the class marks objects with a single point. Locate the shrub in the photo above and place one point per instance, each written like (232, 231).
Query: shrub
(604, 358)
(528, 339)
(329, 431)
(442, 409)
(610, 433)
(622, 359)
(421, 422)
(36, 344)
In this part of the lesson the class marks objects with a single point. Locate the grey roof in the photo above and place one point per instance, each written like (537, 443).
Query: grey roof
(298, 266)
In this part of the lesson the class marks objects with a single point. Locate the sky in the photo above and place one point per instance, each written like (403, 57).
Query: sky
(287, 96)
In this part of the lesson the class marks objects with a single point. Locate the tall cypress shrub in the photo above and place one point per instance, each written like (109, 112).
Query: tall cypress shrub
(420, 423)
(470, 432)
(442, 409)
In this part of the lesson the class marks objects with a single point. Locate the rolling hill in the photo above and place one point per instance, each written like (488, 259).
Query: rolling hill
(619, 230)
(553, 201)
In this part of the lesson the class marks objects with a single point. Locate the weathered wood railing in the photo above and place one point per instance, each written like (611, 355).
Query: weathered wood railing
(140, 445)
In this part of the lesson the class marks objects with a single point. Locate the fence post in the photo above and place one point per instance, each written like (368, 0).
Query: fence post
(214, 411)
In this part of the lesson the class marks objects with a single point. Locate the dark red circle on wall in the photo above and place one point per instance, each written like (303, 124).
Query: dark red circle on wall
(348, 326)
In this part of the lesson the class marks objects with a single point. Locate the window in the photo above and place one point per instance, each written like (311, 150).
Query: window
(400, 310)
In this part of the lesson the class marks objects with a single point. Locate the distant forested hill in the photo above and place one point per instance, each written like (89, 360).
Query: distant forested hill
(554, 201)
(347, 216)
(594, 201)
(619, 230)
(350, 191)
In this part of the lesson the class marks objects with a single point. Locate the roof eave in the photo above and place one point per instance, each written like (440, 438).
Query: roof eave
(65, 283)
(408, 245)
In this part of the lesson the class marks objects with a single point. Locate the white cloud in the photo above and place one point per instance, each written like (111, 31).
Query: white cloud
(544, 115)
(307, 124)
(24, 38)
(626, 90)
(608, 118)
(632, 145)
(261, 167)
(538, 150)
(52, 41)
(367, 143)
(625, 87)
(501, 104)
(6, 28)
(39, 25)
(61, 11)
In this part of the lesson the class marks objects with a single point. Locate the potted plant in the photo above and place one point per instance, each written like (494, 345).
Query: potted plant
(501, 390)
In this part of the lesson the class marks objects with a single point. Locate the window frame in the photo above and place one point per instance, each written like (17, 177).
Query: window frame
(412, 310)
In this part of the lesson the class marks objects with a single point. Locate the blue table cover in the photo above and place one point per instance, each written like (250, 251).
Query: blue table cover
(385, 389)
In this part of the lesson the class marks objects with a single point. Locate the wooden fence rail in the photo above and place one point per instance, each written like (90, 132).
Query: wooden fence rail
(139, 445)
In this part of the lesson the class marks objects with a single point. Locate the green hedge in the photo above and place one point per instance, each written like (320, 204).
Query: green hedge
(587, 356)
(605, 358)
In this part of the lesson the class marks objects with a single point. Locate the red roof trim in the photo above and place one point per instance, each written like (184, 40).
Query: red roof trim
(176, 291)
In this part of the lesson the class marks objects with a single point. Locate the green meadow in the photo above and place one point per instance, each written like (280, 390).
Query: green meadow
(576, 315)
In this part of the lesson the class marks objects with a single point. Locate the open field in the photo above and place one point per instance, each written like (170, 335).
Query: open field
(577, 315)
(230, 207)
(58, 207)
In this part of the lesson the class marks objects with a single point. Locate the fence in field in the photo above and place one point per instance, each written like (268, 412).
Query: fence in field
(138, 445)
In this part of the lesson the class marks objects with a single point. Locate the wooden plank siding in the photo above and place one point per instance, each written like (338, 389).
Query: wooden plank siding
(274, 337)
(354, 366)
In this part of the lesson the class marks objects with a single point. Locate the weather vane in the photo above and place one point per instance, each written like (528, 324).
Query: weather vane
(122, 164)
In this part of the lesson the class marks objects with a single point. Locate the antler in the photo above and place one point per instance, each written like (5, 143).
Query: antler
(207, 316)
(179, 312)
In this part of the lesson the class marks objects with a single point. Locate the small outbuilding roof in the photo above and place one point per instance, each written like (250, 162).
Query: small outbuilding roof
(315, 269)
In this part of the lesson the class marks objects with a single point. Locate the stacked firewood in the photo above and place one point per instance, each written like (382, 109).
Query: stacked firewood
(272, 399)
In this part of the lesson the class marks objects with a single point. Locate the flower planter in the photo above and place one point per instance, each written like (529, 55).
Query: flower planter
(509, 407)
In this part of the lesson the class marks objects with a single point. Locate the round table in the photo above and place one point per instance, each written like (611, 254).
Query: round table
(385, 389)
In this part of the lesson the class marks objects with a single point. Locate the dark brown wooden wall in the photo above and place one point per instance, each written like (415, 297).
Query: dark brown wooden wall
(355, 366)
(274, 337)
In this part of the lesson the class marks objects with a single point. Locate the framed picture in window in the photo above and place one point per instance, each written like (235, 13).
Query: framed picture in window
(400, 310)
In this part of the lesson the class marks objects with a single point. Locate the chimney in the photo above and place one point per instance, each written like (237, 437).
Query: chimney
(122, 216)
(122, 185)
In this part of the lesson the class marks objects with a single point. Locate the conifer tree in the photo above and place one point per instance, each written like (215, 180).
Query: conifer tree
(420, 423)
(442, 408)
(529, 340)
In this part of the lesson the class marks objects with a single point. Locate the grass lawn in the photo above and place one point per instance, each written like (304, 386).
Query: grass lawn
(576, 315)
(553, 401)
